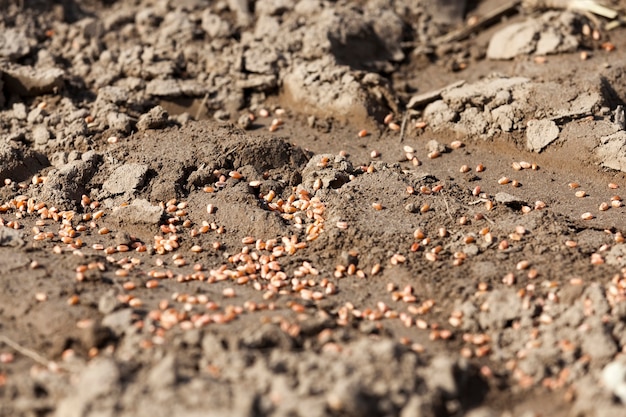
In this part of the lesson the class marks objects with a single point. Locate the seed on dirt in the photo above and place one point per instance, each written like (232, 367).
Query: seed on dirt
(587, 216)
(540, 205)
(516, 183)
(235, 174)
(41, 296)
(434, 154)
(228, 292)
(476, 191)
(377, 206)
(573, 185)
(388, 118)
(608, 46)
(464, 169)
(613, 186)
(604, 206)
(504, 180)
(420, 124)
(509, 279)
(374, 154)
(521, 265)
(73, 300)
(456, 144)
(616, 203)
(103, 231)
(480, 168)
(394, 126)
(580, 194)
(362, 133)
(516, 166)
(425, 208)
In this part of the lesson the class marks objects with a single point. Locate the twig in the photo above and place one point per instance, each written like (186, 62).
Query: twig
(488, 19)
(27, 352)
(403, 128)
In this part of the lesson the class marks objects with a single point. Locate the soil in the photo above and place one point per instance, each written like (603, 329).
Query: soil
(311, 208)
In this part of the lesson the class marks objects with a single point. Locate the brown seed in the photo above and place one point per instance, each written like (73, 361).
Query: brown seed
(388, 119)
(103, 231)
(515, 183)
(573, 185)
(377, 206)
(464, 169)
(613, 186)
(362, 133)
(586, 216)
(375, 269)
(420, 125)
(480, 168)
(456, 144)
(516, 166)
(374, 154)
(394, 126)
(425, 208)
(73, 300)
(580, 194)
(434, 154)
(604, 206)
(504, 180)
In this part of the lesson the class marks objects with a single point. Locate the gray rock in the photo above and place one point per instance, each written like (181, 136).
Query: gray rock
(614, 379)
(126, 179)
(119, 321)
(11, 237)
(163, 374)
(29, 81)
(156, 118)
(113, 94)
(504, 306)
(41, 135)
(617, 255)
(598, 342)
(108, 303)
(14, 44)
(67, 184)
(96, 391)
(547, 34)
(540, 134)
(119, 122)
(612, 151)
(175, 88)
(140, 211)
(214, 25)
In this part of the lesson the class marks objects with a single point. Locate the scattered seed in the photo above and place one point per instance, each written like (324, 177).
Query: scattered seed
(504, 180)
(613, 186)
(516, 166)
(457, 144)
(377, 206)
(374, 154)
(573, 185)
(586, 216)
(388, 118)
(580, 194)
(362, 133)
(464, 169)
(394, 126)
(604, 206)
(480, 168)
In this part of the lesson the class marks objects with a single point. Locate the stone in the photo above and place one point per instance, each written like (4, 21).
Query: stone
(156, 118)
(612, 151)
(139, 211)
(540, 134)
(29, 81)
(14, 44)
(126, 179)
